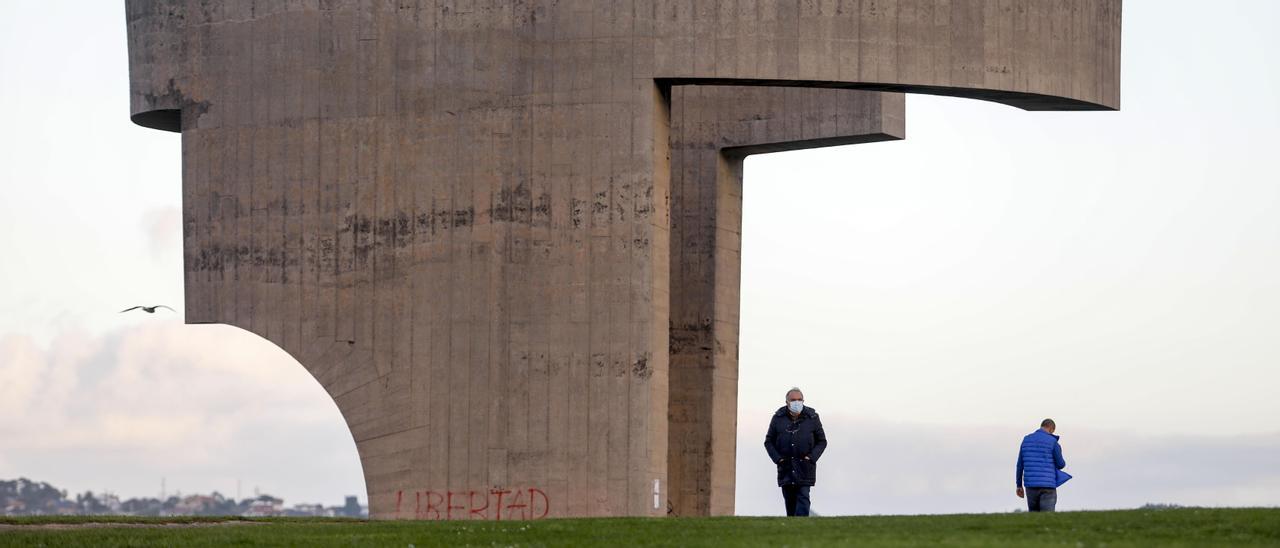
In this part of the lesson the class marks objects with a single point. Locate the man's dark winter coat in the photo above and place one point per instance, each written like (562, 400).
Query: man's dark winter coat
(795, 445)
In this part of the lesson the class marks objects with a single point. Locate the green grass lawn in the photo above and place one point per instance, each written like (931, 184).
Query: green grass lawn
(1181, 527)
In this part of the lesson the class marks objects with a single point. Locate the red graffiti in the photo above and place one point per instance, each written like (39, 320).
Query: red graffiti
(500, 494)
(471, 503)
(496, 504)
(517, 504)
(432, 505)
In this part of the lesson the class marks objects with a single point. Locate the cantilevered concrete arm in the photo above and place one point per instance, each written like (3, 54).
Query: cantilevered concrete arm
(1033, 54)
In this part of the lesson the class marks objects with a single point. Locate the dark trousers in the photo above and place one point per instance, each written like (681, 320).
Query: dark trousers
(1041, 499)
(797, 499)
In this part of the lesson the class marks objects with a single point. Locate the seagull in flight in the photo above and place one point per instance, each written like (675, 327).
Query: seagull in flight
(147, 309)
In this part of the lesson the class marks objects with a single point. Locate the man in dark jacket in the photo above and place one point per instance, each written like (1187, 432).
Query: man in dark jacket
(794, 442)
(1039, 464)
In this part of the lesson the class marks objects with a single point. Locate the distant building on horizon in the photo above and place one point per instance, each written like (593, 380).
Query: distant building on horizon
(23, 497)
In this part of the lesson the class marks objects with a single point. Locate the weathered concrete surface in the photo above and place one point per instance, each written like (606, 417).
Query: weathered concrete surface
(456, 214)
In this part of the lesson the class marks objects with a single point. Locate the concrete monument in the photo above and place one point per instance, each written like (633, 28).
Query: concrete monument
(503, 234)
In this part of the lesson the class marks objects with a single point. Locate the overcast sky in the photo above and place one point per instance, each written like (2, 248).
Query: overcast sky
(935, 297)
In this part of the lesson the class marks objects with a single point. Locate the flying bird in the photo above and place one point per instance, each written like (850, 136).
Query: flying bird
(147, 309)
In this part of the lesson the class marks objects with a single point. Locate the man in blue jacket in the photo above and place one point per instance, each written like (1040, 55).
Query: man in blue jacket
(1039, 467)
(794, 442)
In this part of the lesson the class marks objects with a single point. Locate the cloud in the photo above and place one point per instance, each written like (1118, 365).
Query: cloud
(20, 368)
(163, 228)
(882, 467)
(200, 405)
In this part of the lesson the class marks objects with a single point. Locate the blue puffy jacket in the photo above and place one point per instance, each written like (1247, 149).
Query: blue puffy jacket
(1039, 460)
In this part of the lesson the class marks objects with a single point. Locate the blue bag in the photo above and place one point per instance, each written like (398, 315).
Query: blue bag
(1063, 477)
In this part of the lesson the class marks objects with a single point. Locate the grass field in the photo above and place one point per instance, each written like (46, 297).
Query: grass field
(1180, 527)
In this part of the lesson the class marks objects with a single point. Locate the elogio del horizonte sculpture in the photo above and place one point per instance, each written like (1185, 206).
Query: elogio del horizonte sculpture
(504, 234)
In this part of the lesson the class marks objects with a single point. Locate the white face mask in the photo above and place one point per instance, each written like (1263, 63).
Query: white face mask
(796, 406)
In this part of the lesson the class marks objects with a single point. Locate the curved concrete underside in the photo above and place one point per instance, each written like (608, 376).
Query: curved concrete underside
(504, 243)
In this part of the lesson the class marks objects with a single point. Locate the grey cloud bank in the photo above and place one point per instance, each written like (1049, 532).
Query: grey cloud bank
(203, 406)
(879, 467)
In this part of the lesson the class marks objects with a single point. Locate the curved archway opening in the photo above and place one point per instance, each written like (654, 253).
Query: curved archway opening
(157, 409)
(296, 443)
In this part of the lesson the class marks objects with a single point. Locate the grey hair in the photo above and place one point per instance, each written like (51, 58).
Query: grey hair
(794, 389)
